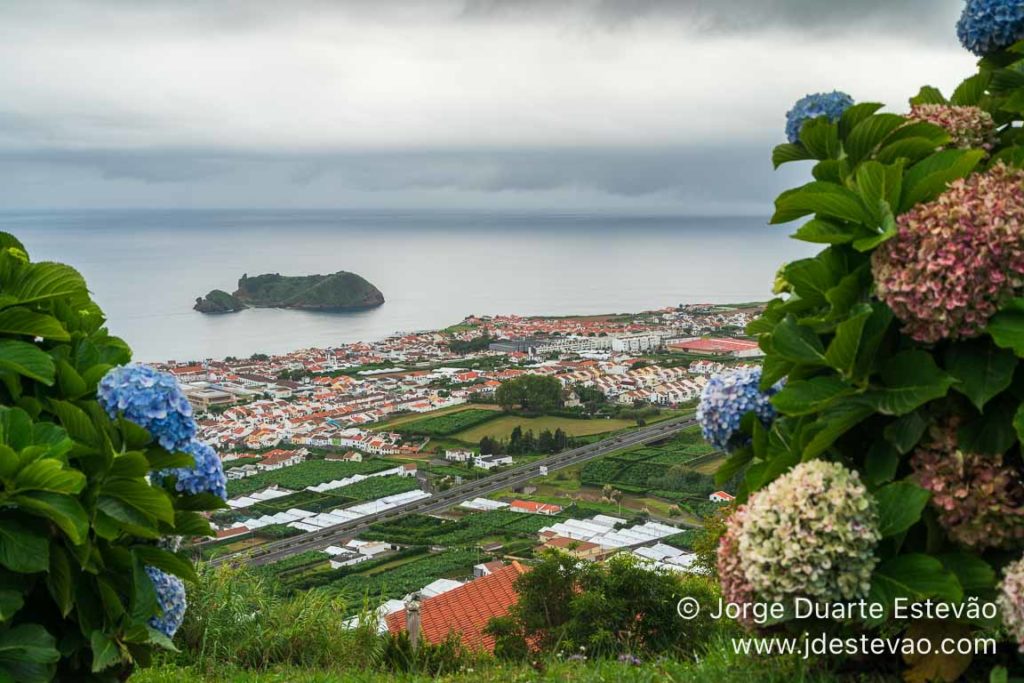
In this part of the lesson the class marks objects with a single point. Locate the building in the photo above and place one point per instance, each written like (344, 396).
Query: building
(718, 346)
(487, 568)
(278, 458)
(721, 497)
(350, 456)
(636, 343)
(584, 550)
(465, 610)
(459, 456)
(531, 507)
(489, 462)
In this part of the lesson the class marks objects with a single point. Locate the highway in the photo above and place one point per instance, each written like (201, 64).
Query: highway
(275, 551)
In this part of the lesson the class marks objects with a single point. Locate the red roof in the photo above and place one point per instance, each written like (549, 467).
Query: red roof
(531, 506)
(716, 345)
(724, 495)
(466, 610)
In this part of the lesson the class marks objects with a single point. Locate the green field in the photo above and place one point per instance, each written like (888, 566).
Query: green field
(415, 417)
(501, 428)
(447, 424)
(308, 473)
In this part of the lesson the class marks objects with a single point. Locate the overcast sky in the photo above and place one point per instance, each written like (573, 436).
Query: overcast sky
(605, 105)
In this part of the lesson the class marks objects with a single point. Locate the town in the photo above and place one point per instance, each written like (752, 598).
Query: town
(330, 438)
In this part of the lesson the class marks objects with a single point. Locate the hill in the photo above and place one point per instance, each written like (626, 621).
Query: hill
(337, 292)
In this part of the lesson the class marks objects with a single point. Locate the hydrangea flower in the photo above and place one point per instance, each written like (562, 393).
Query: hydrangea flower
(987, 26)
(830, 104)
(736, 590)
(150, 399)
(978, 499)
(205, 476)
(170, 596)
(726, 398)
(968, 126)
(955, 260)
(1011, 600)
(810, 533)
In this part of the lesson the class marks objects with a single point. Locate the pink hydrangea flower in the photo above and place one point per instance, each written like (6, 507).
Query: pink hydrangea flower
(736, 590)
(956, 259)
(978, 499)
(970, 127)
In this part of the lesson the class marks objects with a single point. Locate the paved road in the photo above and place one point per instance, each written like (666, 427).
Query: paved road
(275, 551)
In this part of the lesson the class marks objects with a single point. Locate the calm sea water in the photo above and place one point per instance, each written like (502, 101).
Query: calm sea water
(146, 268)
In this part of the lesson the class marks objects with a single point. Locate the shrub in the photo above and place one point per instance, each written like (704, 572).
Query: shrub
(88, 589)
(901, 346)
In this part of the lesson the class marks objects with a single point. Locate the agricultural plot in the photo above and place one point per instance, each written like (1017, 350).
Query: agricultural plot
(411, 576)
(446, 425)
(501, 428)
(417, 530)
(308, 473)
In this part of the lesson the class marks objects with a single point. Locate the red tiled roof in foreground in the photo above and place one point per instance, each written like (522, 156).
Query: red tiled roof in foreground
(466, 610)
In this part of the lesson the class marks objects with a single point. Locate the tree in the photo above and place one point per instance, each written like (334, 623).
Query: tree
(533, 394)
(614, 608)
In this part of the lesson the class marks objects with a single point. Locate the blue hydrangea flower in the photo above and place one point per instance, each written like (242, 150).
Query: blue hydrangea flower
(726, 398)
(205, 476)
(150, 399)
(830, 104)
(170, 596)
(987, 26)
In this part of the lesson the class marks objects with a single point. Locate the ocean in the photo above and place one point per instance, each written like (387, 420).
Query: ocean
(146, 268)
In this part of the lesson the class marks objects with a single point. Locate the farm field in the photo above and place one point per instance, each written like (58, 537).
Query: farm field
(308, 473)
(448, 424)
(709, 466)
(501, 428)
(398, 581)
(414, 417)
(469, 530)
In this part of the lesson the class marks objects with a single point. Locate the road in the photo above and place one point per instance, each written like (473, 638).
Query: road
(275, 551)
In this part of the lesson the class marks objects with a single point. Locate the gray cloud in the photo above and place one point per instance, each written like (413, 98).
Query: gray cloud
(671, 104)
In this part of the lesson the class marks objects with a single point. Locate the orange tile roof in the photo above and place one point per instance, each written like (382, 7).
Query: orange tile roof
(535, 507)
(467, 609)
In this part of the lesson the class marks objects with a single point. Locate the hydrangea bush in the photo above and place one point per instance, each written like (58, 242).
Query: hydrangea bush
(93, 476)
(893, 465)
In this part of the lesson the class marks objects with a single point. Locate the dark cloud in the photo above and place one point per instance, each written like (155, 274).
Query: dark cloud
(724, 177)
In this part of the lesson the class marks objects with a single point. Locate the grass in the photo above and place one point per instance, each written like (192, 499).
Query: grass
(709, 466)
(413, 417)
(719, 664)
(501, 428)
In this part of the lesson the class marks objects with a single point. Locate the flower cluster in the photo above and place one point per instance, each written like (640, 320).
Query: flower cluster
(1011, 600)
(150, 399)
(831, 104)
(955, 260)
(153, 400)
(170, 596)
(205, 476)
(978, 499)
(970, 127)
(729, 396)
(810, 533)
(736, 590)
(987, 26)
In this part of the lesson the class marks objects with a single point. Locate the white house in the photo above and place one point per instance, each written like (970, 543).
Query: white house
(458, 456)
(489, 462)
(721, 497)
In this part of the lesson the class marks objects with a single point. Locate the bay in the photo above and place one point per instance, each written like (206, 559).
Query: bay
(146, 267)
